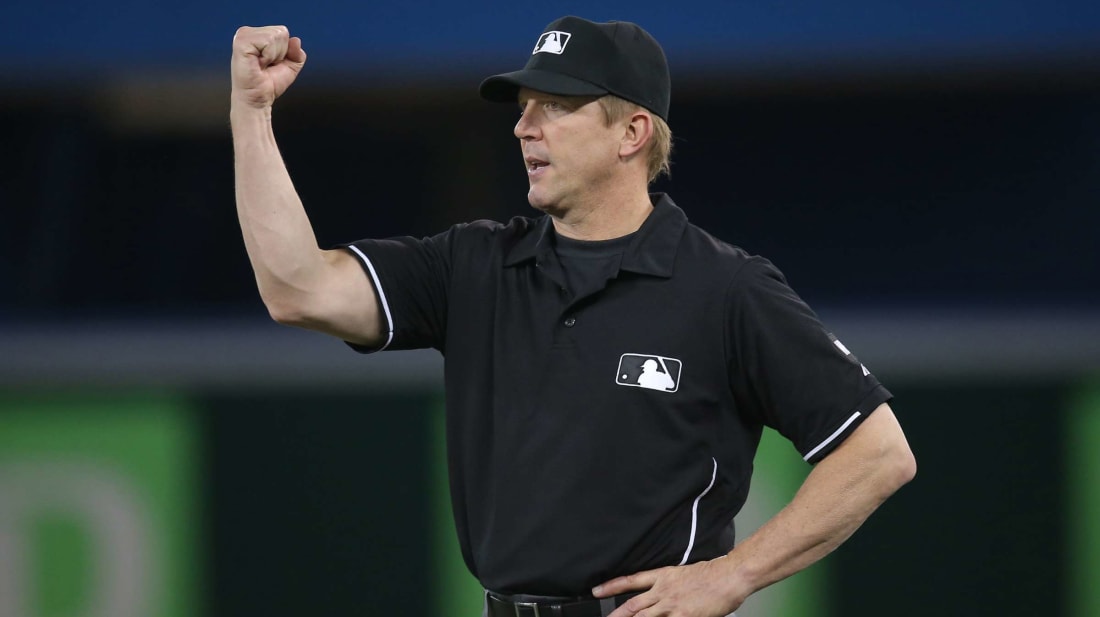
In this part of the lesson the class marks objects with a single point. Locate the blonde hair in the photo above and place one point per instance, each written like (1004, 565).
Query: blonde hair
(660, 146)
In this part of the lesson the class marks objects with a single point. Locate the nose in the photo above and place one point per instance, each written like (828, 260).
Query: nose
(527, 127)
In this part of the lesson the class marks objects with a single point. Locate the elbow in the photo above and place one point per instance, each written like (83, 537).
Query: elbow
(287, 304)
(903, 466)
(281, 316)
(286, 313)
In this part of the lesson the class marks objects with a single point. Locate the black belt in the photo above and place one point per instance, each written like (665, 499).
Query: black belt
(503, 606)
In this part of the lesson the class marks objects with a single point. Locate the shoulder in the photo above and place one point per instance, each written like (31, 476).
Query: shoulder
(485, 230)
(480, 243)
(701, 257)
(727, 261)
(488, 233)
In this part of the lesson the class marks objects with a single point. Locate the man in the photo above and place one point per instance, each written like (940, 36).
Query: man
(579, 491)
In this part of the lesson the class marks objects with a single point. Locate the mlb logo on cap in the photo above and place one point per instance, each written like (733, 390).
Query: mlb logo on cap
(616, 57)
(552, 42)
(650, 372)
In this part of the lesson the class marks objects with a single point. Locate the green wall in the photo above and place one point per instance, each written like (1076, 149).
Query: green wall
(99, 500)
(1083, 500)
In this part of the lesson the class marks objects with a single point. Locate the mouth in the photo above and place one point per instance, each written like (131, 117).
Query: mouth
(534, 166)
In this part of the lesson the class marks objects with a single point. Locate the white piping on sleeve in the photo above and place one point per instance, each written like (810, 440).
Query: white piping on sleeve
(695, 511)
(830, 438)
(381, 295)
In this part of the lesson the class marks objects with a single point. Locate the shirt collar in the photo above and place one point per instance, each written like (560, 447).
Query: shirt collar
(652, 251)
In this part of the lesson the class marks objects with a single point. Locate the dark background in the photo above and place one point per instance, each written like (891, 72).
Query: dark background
(876, 191)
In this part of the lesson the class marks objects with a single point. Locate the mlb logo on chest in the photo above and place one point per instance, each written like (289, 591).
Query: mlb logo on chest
(647, 371)
(552, 42)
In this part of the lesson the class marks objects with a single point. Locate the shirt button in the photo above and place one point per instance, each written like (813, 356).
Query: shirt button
(569, 321)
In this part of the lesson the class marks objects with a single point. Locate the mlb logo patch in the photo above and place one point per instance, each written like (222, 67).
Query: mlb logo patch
(648, 371)
(552, 42)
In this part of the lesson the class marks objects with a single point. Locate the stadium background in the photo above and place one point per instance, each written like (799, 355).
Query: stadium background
(926, 174)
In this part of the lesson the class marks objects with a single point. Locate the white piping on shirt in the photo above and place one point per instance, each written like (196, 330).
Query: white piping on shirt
(381, 295)
(830, 438)
(695, 512)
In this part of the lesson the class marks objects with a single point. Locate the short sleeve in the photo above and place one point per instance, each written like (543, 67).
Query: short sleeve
(411, 280)
(787, 370)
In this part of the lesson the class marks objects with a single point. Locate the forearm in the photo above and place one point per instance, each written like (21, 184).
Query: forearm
(277, 233)
(836, 498)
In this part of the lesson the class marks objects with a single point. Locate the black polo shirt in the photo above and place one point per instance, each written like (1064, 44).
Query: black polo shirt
(603, 434)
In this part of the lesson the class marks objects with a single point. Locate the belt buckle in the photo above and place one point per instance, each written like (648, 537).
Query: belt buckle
(534, 606)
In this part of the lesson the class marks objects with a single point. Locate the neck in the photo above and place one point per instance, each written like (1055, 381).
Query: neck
(610, 218)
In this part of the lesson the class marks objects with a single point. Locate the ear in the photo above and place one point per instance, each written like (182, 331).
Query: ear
(637, 132)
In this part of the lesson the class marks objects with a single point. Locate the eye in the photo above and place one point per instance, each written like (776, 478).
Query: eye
(553, 106)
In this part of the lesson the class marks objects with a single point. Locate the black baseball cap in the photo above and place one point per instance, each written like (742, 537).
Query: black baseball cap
(577, 57)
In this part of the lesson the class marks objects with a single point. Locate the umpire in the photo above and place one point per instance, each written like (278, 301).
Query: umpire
(609, 366)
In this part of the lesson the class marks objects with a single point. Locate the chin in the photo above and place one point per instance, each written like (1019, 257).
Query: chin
(542, 203)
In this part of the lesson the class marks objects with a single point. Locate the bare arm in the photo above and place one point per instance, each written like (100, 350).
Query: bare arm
(835, 499)
(300, 284)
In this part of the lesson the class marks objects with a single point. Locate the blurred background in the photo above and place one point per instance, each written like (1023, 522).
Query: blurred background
(927, 175)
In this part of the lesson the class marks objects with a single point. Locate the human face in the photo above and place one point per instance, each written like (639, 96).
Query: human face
(569, 151)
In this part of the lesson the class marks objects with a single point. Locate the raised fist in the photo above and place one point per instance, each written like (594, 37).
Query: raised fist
(265, 62)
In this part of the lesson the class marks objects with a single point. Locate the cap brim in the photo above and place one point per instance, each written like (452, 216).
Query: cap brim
(504, 88)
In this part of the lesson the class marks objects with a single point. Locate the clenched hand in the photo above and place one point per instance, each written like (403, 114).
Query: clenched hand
(265, 62)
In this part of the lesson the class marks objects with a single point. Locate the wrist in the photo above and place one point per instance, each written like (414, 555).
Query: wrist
(737, 581)
(243, 115)
(242, 105)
